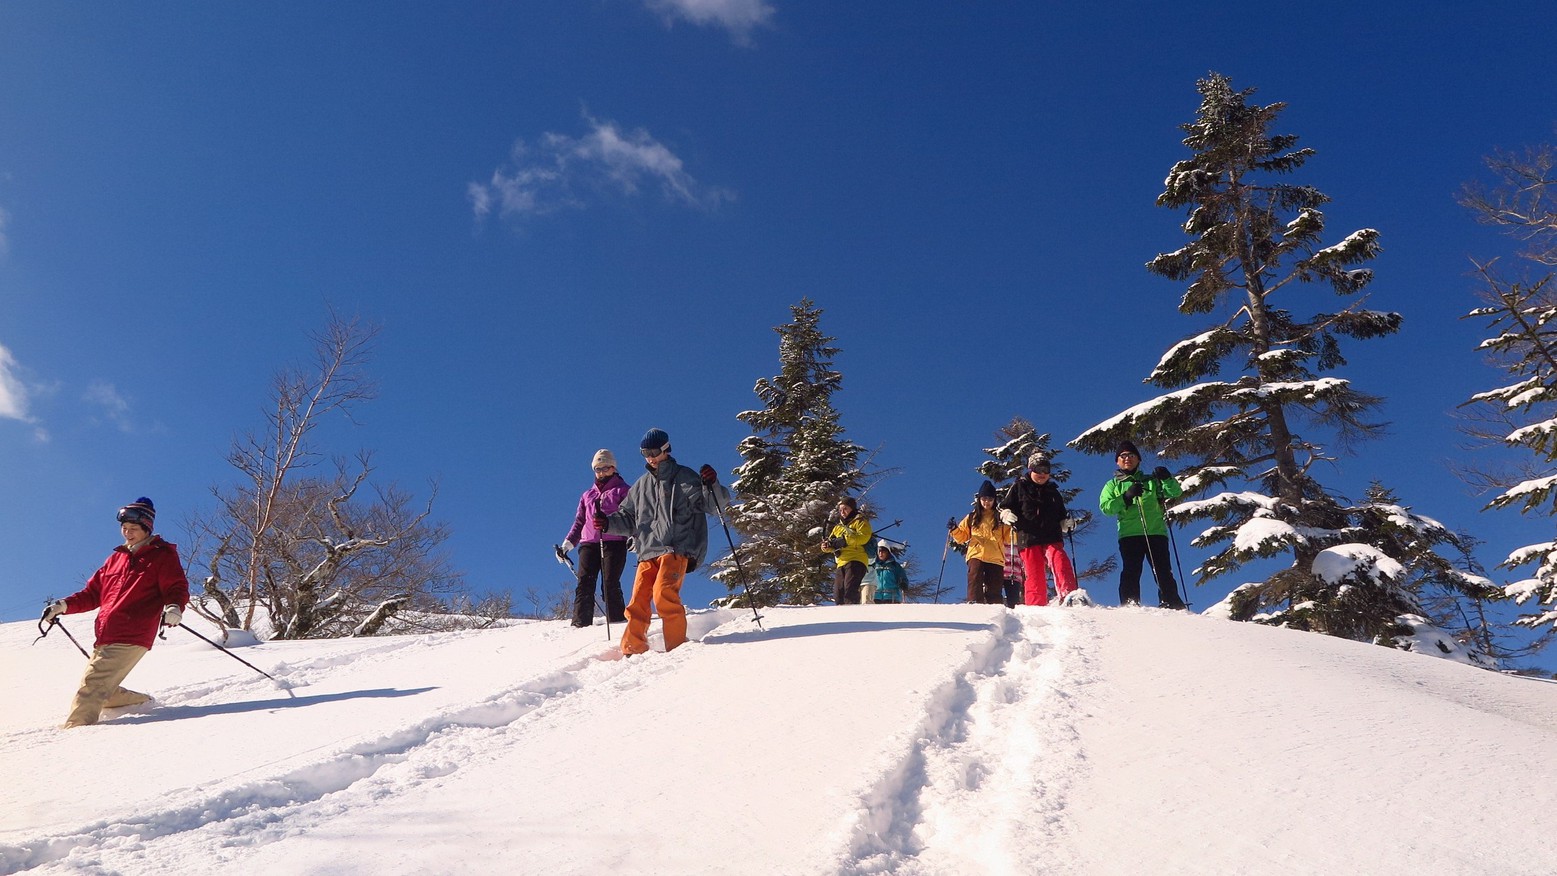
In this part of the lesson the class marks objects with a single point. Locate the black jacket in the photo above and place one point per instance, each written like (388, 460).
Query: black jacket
(1040, 510)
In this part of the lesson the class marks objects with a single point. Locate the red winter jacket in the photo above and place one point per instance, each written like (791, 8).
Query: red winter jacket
(131, 589)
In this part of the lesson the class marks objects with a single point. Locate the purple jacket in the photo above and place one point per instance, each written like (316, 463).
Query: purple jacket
(609, 497)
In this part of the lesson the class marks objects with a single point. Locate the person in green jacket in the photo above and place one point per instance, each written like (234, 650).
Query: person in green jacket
(848, 538)
(1136, 499)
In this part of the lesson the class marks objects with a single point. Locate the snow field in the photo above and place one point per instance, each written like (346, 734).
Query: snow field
(930, 740)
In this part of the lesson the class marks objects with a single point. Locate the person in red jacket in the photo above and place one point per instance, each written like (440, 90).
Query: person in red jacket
(140, 587)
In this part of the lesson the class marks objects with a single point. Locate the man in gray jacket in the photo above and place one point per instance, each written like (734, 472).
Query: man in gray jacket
(665, 513)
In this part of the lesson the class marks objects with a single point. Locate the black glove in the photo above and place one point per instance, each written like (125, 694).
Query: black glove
(1161, 473)
(601, 522)
(837, 544)
(1132, 493)
(709, 476)
(951, 523)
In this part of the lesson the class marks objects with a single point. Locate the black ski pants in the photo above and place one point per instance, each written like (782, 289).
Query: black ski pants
(605, 559)
(1133, 555)
(846, 582)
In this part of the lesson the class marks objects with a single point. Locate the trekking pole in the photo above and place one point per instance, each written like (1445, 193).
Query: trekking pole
(563, 558)
(1011, 555)
(945, 549)
(887, 527)
(1070, 533)
(724, 524)
(603, 597)
(1151, 561)
(237, 658)
(44, 631)
(1174, 543)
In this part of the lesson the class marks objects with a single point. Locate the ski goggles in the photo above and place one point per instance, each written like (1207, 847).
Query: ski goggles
(655, 452)
(134, 515)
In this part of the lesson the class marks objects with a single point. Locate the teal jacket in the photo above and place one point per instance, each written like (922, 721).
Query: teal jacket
(1112, 502)
(890, 580)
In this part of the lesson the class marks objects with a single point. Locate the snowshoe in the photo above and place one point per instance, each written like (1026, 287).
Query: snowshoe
(1076, 598)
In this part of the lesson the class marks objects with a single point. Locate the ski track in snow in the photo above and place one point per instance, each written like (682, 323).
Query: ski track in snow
(996, 739)
(251, 811)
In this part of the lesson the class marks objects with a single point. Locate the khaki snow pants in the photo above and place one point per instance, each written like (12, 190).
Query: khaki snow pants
(100, 684)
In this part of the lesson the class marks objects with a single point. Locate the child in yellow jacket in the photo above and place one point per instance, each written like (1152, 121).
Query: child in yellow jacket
(985, 536)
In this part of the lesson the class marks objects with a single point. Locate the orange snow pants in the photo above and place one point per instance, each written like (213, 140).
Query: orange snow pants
(657, 580)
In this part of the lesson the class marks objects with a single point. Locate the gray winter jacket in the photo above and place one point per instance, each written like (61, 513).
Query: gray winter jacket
(665, 510)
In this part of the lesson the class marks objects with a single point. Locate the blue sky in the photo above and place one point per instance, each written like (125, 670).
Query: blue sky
(577, 220)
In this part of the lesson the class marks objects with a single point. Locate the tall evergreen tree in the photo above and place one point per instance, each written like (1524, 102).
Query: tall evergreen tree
(1522, 314)
(1248, 402)
(798, 464)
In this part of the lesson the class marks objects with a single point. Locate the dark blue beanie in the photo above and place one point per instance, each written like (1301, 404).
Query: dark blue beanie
(653, 440)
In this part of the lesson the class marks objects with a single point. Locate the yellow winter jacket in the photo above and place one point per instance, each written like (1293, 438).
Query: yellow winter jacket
(986, 539)
(854, 534)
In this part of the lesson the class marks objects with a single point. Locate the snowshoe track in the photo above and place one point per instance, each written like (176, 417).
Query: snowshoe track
(1003, 732)
(253, 809)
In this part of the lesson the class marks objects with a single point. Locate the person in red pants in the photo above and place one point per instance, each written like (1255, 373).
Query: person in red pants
(1035, 508)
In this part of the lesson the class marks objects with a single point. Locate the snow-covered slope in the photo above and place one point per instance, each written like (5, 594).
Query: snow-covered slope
(915, 739)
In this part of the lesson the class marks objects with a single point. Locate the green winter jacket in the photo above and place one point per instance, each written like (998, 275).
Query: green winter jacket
(1150, 502)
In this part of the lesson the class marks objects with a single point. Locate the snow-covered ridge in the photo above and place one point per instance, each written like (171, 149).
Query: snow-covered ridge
(914, 739)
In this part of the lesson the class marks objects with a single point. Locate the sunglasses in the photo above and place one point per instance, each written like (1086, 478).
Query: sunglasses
(653, 453)
(605, 468)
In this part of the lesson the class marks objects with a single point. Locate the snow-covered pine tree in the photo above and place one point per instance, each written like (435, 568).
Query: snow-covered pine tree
(1248, 404)
(1431, 602)
(1522, 314)
(1008, 461)
(798, 464)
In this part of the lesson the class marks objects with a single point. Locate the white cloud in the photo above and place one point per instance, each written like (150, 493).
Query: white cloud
(15, 396)
(560, 170)
(739, 17)
(114, 406)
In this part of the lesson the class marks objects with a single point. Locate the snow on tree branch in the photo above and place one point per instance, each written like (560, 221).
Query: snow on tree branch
(1335, 565)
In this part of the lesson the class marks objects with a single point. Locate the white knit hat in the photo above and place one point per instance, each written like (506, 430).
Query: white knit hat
(603, 458)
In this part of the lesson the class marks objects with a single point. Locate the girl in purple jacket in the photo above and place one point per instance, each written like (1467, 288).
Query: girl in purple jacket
(599, 553)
